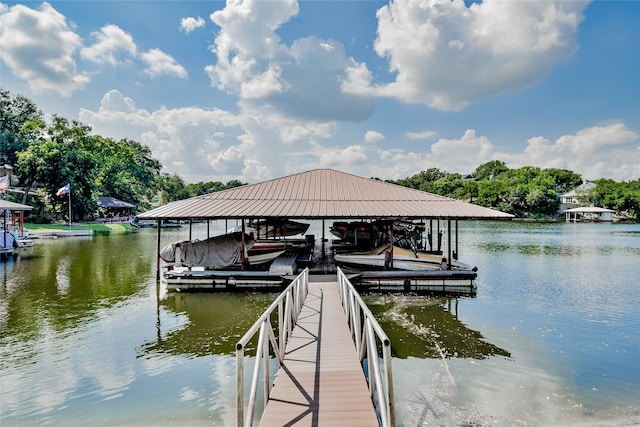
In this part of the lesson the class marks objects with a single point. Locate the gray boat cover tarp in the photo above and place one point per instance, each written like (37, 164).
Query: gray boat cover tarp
(216, 252)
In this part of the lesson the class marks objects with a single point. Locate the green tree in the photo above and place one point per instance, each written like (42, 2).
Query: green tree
(62, 156)
(172, 188)
(422, 181)
(619, 196)
(490, 170)
(565, 180)
(15, 112)
(126, 170)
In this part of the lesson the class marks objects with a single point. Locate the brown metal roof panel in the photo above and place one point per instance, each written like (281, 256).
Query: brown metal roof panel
(322, 193)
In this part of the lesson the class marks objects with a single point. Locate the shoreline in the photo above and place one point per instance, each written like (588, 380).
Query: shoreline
(37, 231)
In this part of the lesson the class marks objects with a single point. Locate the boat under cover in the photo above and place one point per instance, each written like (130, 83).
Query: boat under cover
(219, 252)
(403, 259)
(276, 228)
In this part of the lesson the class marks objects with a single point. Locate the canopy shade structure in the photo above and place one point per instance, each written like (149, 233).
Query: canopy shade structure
(12, 206)
(319, 194)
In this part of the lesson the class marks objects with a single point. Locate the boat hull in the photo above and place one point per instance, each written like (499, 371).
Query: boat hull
(403, 259)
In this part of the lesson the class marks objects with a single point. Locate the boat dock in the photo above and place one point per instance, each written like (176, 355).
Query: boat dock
(451, 282)
(321, 380)
(320, 261)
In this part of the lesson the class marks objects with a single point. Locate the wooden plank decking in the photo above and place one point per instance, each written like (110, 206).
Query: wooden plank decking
(321, 382)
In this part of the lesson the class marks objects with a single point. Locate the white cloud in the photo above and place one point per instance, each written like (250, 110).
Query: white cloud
(259, 144)
(177, 137)
(113, 46)
(343, 158)
(38, 47)
(427, 134)
(610, 151)
(190, 24)
(371, 136)
(199, 143)
(303, 80)
(446, 55)
(595, 152)
(161, 63)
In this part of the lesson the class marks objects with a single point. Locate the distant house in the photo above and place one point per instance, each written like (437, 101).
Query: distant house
(110, 208)
(570, 200)
(588, 214)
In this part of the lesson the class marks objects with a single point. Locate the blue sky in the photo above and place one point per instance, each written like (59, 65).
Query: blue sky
(253, 90)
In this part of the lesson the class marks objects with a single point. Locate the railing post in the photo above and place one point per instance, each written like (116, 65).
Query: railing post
(256, 375)
(386, 356)
(240, 385)
(265, 361)
(292, 299)
(364, 329)
(281, 334)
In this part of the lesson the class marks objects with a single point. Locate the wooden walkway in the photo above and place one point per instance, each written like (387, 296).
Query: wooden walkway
(321, 382)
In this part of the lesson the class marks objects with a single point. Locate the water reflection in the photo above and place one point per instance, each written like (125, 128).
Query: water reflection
(429, 327)
(65, 283)
(216, 322)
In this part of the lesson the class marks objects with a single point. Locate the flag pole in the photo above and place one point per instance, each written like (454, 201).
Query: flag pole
(69, 206)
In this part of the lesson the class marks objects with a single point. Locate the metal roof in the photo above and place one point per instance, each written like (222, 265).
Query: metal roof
(590, 209)
(321, 193)
(12, 206)
(113, 203)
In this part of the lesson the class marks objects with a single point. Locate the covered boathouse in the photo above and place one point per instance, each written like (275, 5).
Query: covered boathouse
(326, 194)
(11, 231)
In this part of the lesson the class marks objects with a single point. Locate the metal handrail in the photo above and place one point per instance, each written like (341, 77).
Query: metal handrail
(366, 332)
(292, 298)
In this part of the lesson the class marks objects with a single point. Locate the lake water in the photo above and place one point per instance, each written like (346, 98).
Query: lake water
(552, 337)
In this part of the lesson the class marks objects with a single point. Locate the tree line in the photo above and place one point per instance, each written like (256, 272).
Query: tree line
(527, 191)
(45, 157)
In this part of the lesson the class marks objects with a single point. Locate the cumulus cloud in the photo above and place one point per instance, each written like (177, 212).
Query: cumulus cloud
(112, 46)
(200, 143)
(427, 134)
(595, 152)
(303, 80)
(371, 136)
(178, 137)
(190, 24)
(252, 146)
(161, 63)
(38, 46)
(610, 151)
(446, 54)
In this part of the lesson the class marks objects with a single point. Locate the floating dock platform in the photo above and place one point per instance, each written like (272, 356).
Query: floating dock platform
(286, 266)
(459, 282)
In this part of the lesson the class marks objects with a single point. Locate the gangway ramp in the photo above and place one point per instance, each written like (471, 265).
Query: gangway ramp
(320, 380)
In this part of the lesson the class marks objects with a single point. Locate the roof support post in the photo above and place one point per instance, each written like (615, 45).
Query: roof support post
(242, 248)
(456, 252)
(190, 229)
(449, 242)
(323, 239)
(158, 251)
(5, 229)
(391, 243)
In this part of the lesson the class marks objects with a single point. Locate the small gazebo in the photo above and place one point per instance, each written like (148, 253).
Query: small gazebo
(114, 207)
